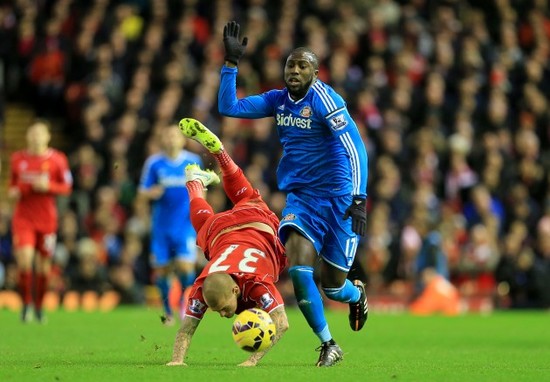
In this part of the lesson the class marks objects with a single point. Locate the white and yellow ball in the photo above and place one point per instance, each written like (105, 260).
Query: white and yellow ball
(253, 330)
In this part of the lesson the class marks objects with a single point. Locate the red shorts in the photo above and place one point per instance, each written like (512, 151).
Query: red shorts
(44, 243)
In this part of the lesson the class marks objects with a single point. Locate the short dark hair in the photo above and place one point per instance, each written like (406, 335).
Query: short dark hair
(305, 51)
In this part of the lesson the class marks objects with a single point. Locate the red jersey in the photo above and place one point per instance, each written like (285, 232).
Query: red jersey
(250, 257)
(247, 210)
(35, 209)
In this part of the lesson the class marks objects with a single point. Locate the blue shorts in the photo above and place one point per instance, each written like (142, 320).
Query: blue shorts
(173, 245)
(321, 221)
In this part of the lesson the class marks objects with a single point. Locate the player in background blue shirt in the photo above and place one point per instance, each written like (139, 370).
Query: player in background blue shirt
(323, 170)
(173, 238)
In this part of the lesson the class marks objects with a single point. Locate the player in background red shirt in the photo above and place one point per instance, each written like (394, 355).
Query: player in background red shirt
(37, 175)
(244, 253)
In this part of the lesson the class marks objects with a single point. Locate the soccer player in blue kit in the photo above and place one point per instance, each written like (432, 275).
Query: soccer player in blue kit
(173, 237)
(323, 170)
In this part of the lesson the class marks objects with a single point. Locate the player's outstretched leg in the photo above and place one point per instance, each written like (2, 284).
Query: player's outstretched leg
(359, 311)
(330, 355)
(206, 177)
(195, 130)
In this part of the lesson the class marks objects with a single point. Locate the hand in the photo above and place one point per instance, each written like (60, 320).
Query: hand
(41, 184)
(156, 192)
(14, 194)
(176, 363)
(247, 363)
(358, 212)
(234, 50)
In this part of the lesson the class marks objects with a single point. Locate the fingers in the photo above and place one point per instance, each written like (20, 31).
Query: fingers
(228, 29)
(175, 363)
(233, 29)
(361, 228)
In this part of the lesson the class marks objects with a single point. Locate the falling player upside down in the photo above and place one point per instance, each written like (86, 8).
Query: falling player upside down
(244, 253)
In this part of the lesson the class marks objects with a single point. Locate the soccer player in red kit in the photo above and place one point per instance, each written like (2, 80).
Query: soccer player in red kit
(37, 175)
(244, 253)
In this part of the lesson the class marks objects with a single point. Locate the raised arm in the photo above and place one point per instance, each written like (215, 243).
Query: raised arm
(228, 104)
(253, 106)
(278, 315)
(183, 340)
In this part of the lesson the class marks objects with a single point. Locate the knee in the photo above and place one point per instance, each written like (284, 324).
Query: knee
(24, 262)
(332, 279)
(299, 250)
(185, 267)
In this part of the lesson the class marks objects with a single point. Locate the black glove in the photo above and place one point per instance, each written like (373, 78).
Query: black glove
(358, 212)
(234, 50)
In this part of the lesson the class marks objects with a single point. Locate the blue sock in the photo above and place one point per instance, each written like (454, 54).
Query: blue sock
(346, 293)
(309, 300)
(164, 287)
(186, 279)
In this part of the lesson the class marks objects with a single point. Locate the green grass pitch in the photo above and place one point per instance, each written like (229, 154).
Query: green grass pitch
(130, 344)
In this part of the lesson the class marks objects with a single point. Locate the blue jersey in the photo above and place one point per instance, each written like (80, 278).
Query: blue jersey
(171, 211)
(323, 153)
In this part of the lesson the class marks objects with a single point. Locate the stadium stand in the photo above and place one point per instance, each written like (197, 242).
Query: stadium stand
(451, 98)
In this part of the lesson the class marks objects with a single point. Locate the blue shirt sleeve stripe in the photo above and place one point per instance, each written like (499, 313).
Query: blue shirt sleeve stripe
(334, 112)
(354, 160)
(325, 98)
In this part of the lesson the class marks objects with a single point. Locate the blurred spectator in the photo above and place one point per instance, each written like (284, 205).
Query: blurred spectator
(47, 71)
(124, 275)
(483, 208)
(515, 274)
(542, 263)
(87, 284)
(7, 260)
(88, 274)
(439, 296)
(86, 166)
(431, 253)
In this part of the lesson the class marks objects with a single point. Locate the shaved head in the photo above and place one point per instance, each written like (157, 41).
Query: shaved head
(217, 288)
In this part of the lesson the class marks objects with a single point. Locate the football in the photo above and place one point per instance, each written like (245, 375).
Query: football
(253, 330)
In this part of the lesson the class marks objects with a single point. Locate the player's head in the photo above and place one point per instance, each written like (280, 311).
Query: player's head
(301, 70)
(38, 136)
(172, 139)
(220, 293)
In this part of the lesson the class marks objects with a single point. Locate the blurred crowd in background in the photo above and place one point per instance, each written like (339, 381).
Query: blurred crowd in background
(451, 98)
